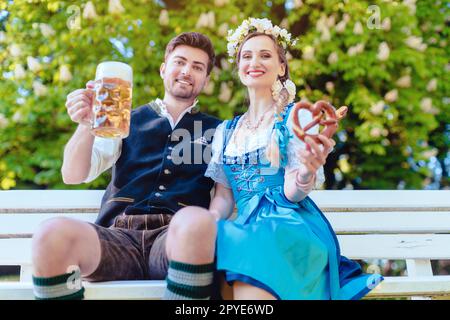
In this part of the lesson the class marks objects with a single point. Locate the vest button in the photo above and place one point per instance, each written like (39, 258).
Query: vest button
(167, 171)
(158, 194)
(170, 148)
(162, 187)
(169, 157)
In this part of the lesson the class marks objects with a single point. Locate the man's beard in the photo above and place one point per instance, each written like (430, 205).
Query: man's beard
(185, 94)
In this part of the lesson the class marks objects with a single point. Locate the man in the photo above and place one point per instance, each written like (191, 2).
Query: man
(132, 238)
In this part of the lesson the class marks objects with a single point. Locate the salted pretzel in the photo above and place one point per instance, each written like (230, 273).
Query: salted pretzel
(323, 114)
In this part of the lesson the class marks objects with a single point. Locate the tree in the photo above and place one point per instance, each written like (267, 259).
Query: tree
(386, 60)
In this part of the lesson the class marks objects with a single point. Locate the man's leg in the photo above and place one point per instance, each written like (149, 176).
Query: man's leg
(190, 248)
(63, 250)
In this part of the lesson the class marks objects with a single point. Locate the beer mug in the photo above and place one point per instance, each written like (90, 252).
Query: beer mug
(112, 100)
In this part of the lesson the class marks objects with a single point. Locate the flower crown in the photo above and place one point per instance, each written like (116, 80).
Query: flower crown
(250, 25)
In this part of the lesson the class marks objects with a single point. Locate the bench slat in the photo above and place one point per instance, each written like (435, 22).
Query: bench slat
(390, 287)
(344, 200)
(395, 247)
(342, 222)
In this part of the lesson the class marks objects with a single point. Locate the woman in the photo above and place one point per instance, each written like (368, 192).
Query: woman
(280, 246)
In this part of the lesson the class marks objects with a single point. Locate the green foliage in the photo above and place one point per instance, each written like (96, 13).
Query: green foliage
(378, 146)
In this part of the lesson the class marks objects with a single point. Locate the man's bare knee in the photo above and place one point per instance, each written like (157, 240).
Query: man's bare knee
(57, 245)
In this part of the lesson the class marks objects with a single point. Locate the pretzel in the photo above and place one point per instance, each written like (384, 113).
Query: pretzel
(323, 114)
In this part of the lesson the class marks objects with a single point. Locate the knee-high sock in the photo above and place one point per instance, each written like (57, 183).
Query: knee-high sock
(189, 281)
(63, 287)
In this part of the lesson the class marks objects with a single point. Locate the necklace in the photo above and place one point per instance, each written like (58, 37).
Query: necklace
(248, 124)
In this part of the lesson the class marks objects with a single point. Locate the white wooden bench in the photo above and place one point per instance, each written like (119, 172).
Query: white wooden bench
(395, 225)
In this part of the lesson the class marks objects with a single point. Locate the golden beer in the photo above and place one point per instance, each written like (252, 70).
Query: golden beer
(112, 100)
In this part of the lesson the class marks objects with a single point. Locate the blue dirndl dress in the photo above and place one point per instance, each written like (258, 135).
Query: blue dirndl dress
(286, 248)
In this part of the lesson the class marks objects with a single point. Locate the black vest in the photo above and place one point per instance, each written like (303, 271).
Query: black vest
(150, 175)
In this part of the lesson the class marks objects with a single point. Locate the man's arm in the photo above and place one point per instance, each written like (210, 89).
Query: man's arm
(78, 151)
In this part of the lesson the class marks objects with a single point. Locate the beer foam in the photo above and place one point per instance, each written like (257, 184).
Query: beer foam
(114, 69)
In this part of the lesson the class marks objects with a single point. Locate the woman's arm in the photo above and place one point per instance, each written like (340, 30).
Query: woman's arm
(299, 182)
(222, 204)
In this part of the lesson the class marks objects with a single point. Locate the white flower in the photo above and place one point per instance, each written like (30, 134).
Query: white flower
(89, 11)
(375, 132)
(64, 74)
(39, 89)
(115, 7)
(17, 116)
(391, 96)
(411, 4)
(46, 30)
(415, 43)
(329, 86)
(308, 53)
(340, 27)
(355, 49)
(33, 64)
(386, 24)
(223, 29)
(404, 82)
(276, 31)
(164, 18)
(3, 121)
(211, 20)
(14, 50)
(383, 51)
(19, 72)
(225, 92)
(326, 36)
(432, 85)
(220, 3)
(377, 108)
(358, 28)
(298, 4)
(235, 37)
(2, 36)
(209, 88)
(430, 153)
(426, 104)
(333, 58)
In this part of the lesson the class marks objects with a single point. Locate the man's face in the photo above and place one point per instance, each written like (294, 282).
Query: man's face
(185, 72)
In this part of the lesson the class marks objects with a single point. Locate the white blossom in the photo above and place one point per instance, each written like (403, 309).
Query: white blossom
(329, 86)
(404, 82)
(164, 18)
(3, 121)
(377, 108)
(411, 4)
(89, 11)
(432, 85)
(354, 50)
(358, 28)
(17, 116)
(33, 64)
(426, 104)
(297, 4)
(64, 74)
(340, 27)
(2, 36)
(391, 96)
(209, 88)
(225, 92)
(39, 89)
(220, 3)
(19, 72)
(386, 24)
(333, 58)
(308, 53)
(15, 50)
(415, 43)
(115, 7)
(375, 132)
(222, 31)
(383, 51)
(46, 30)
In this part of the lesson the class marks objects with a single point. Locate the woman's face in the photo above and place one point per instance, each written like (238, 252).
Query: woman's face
(259, 64)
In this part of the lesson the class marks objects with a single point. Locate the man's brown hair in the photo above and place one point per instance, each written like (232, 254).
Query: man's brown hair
(195, 40)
